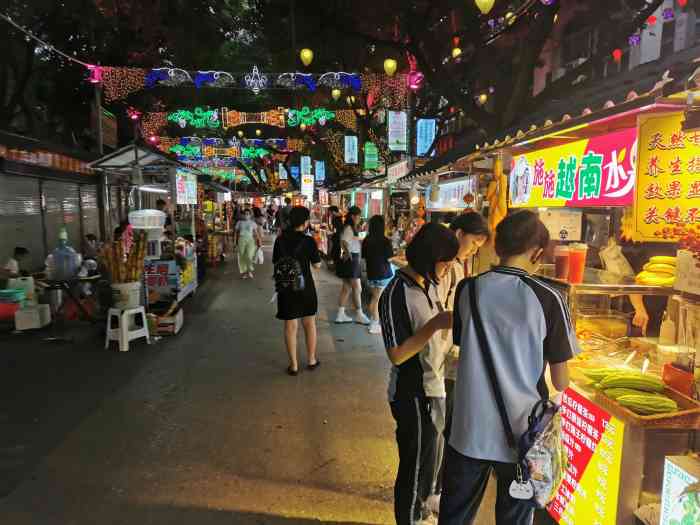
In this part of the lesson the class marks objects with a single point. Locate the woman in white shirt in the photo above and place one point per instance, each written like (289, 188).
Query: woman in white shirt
(248, 240)
(349, 269)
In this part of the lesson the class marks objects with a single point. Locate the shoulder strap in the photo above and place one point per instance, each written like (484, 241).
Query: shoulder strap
(490, 368)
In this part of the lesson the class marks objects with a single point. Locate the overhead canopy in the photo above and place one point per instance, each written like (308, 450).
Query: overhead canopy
(150, 160)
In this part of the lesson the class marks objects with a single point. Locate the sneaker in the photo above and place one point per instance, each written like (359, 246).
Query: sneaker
(343, 318)
(375, 328)
(361, 318)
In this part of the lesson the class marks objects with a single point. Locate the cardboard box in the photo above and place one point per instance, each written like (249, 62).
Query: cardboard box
(171, 324)
(32, 317)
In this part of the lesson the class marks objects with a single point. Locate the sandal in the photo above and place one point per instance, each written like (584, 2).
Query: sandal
(292, 372)
(314, 366)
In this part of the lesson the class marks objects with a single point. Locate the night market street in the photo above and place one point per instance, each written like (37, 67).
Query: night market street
(205, 428)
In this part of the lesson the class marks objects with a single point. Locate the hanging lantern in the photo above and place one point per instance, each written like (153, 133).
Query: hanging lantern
(651, 20)
(307, 56)
(485, 6)
(350, 100)
(95, 74)
(455, 41)
(390, 66)
(134, 114)
(483, 98)
(258, 132)
(617, 55)
(682, 3)
(456, 52)
(302, 126)
(240, 133)
(335, 93)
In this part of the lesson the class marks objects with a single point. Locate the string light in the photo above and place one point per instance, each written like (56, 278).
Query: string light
(120, 82)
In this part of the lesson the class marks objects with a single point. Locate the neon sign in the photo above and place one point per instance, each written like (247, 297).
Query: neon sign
(309, 117)
(199, 118)
(254, 152)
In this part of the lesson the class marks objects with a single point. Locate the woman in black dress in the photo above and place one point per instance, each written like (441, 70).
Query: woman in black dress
(294, 305)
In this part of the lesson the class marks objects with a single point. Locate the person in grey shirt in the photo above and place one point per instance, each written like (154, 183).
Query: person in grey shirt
(528, 327)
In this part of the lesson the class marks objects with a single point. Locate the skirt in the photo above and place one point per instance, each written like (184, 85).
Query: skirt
(349, 268)
(295, 305)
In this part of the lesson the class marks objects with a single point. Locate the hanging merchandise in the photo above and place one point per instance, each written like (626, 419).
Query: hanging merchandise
(350, 149)
(398, 124)
(371, 156)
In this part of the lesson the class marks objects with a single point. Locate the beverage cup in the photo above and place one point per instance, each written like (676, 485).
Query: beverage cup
(561, 262)
(577, 262)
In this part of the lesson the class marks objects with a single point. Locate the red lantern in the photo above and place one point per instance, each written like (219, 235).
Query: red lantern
(682, 3)
(617, 55)
(651, 20)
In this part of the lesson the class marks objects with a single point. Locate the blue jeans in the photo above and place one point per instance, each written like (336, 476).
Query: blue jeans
(463, 485)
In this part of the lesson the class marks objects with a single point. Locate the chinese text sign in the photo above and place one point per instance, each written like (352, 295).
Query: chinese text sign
(599, 171)
(593, 439)
(425, 135)
(668, 191)
(398, 126)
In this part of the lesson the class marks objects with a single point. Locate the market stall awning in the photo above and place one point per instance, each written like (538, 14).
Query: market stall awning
(124, 160)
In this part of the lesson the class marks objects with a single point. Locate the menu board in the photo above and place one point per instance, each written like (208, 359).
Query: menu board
(398, 127)
(307, 187)
(371, 156)
(588, 495)
(563, 225)
(599, 171)
(451, 195)
(185, 188)
(668, 191)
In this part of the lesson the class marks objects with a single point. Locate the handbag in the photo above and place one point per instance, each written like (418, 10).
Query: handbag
(542, 458)
(259, 256)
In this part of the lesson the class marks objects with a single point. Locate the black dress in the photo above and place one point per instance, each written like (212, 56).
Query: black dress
(290, 304)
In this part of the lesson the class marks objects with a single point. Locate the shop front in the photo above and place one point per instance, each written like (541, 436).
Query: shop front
(596, 187)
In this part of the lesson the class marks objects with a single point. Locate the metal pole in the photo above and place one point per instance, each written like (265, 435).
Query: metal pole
(98, 112)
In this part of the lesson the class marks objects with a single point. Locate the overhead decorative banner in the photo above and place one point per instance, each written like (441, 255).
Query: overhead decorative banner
(281, 172)
(668, 190)
(589, 493)
(371, 156)
(592, 172)
(307, 187)
(199, 118)
(426, 128)
(320, 171)
(398, 130)
(305, 165)
(350, 149)
(308, 117)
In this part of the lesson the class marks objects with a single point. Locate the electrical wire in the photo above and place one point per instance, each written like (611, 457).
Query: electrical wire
(46, 45)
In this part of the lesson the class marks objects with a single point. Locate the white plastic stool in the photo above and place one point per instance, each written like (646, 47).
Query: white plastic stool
(126, 329)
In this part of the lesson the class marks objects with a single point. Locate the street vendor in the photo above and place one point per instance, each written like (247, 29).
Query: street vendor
(11, 268)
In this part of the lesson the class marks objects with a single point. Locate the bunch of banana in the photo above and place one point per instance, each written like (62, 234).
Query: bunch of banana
(659, 271)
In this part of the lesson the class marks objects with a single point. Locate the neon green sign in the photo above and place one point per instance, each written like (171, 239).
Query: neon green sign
(187, 150)
(309, 117)
(254, 152)
(199, 118)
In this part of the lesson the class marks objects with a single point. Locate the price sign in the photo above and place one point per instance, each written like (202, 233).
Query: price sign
(588, 495)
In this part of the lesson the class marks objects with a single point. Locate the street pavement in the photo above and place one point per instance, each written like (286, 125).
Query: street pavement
(203, 428)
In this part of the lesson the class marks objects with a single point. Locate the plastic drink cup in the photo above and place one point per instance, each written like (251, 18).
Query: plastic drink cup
(561, 262)
(577, 262)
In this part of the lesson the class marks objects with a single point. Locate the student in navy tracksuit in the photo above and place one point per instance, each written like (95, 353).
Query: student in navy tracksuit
(413, 320)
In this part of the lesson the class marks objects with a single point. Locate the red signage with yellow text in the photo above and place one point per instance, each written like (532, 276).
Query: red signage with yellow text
(591, 172)
(588, 495)
(668, 192)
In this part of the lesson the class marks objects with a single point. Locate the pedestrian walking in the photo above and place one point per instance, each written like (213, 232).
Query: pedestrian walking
(337, 229)
(248, 240)
(526, 327)
(350, 270)
(412, 319)
(293, 255)
(283, 215)
(376, 251)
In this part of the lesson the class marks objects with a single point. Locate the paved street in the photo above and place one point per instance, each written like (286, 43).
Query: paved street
(205, 428)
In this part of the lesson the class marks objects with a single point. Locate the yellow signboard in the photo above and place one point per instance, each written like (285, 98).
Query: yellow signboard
(668, 178)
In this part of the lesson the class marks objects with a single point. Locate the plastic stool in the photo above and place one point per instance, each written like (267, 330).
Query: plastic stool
(126, 329)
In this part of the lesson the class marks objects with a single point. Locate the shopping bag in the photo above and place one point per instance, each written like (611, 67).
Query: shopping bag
(259, 257)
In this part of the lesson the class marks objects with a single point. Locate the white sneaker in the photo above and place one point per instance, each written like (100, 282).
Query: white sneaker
(361, 318)
(375, 328)
(343, 318)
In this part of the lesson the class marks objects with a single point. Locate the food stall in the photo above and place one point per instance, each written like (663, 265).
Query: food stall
(216, 215)
(597, 185)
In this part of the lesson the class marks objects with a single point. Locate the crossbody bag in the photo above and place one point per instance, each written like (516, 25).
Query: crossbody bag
(542, 458)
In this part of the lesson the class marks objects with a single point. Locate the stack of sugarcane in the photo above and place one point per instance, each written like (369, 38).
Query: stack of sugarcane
(123, 267)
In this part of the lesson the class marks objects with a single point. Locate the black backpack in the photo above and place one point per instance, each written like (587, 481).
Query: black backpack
(288, 274)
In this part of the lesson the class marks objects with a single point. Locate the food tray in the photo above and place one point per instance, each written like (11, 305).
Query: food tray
(687, 418)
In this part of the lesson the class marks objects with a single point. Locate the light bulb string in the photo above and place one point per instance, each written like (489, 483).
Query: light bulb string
(45, 44)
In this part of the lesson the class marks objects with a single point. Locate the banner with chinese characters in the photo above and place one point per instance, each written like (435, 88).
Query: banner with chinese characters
(320, 171)
(397, 125)
(350, 149)
(305, 165)
(591, 172)
(185, 188)
(668, 191)
(588, 495)
(307, 187)
(426, 128)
